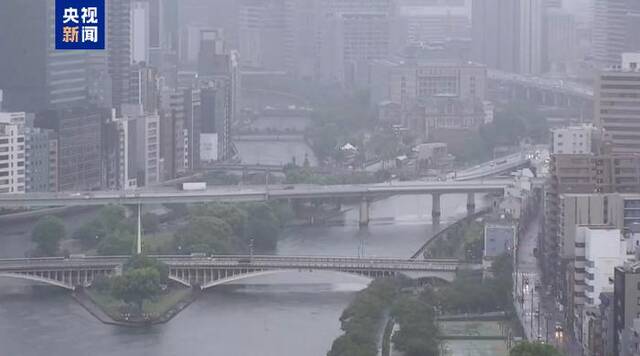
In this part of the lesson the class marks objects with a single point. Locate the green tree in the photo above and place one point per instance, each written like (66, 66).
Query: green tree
(117, 243)
(418, 331)
(113, 217)
(345, 345)
(232, 214)
(150, 223)
(534, 349)
(90, 234)
(263, 226)
(143, 261)
(46, 234)
(205, 234)
(136, 286)
(110, 222)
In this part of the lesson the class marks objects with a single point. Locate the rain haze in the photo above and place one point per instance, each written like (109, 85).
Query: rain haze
(320, 177)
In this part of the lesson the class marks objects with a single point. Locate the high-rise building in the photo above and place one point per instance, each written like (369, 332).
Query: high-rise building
(12, 152)
(144, 144)
(351, 34)
(79, 146)
(428, 22)
(38, 157)
(116, 154)
(174, 138)
(119, 27)
(560, 37)
(603, 248)
(193, 119)
(626, 304)
(507, 34)
(617, 104)
(145, 87)
(218, 72)
(215, 131)
(530, 39)
(265, 33)
(213, 57)
(141, 29)
(616, 24)
(33, 75)
(169, 25)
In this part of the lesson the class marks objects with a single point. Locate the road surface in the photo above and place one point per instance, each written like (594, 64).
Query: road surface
(537, 310)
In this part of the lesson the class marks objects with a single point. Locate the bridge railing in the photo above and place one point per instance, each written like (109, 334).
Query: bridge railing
(235, 261)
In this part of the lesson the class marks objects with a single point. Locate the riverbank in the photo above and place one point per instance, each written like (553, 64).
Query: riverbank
(108, 310)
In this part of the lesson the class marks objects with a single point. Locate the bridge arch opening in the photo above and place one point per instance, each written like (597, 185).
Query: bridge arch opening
(39, 280)
(364, 276)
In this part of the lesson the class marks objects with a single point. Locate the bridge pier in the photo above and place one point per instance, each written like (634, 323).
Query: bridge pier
(435, 206)
(364, 212)
(471, 203)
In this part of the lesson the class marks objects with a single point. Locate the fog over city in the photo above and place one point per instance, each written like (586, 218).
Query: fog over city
(320, 177)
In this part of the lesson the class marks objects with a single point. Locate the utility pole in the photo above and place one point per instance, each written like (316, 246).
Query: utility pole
(532, 288)
(139, 237)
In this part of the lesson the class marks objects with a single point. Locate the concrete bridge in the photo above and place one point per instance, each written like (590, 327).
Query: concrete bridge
(542, 92)
(207, 272)
(494, 167)
(366, 193)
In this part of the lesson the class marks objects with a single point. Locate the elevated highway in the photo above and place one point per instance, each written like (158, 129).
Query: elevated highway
(492, 168)
(161, 195)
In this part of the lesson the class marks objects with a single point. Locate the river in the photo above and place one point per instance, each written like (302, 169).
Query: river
(290, 314)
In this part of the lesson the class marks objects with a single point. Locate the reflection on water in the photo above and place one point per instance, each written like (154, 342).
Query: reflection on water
(288, 314)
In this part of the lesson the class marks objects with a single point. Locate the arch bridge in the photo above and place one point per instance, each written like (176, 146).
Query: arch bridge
(207, 272)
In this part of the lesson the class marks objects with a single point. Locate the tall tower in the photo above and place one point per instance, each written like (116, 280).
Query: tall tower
(616, 101)
(609, 31)
(495, 34)
(530, 39)
(33, 74)
(218, 70)
(507, 34)
(119, 50)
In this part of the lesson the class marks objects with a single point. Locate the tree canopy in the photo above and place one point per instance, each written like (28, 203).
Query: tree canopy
(209, 235)
(534, 349)
(46, 234)
(137, 285)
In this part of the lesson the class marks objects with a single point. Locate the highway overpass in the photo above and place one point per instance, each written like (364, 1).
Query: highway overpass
(494, 167)
(159, 195)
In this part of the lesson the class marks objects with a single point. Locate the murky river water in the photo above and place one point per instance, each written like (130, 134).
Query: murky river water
(290, 314)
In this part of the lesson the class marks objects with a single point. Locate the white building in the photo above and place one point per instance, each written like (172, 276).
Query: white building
(12, 152)
(617, 98)
(572, 140)
(140, 31)
(144, 139)
(604, 249)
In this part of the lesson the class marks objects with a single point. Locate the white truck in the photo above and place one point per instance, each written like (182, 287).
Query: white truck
(192, 186)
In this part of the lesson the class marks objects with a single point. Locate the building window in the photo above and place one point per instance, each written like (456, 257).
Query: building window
(638, 300)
